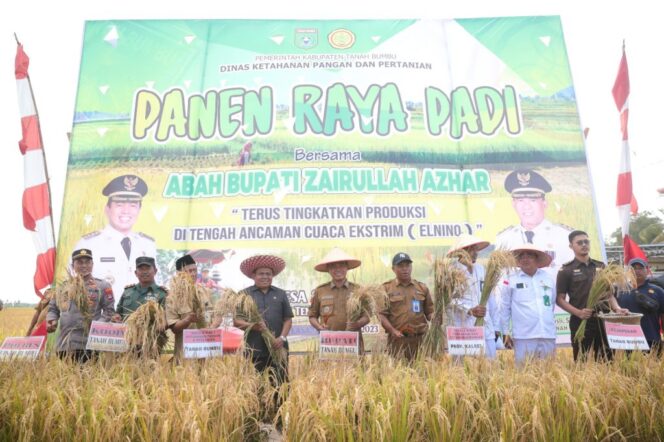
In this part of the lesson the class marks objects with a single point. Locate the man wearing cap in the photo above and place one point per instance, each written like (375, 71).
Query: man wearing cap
(527, 301)
(528, 189)
(647, 299)
(180, 315)
(116, 247)
(328, 301)
(275, 309)
(74, 325)
(135, 295)
(410, 306)
(467, 308)
(575, 278)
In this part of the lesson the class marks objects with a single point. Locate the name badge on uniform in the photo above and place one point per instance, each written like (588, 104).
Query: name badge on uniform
(417, 306)
(521, 285)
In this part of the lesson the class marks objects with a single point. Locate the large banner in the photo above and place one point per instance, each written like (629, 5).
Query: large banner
(238, 137)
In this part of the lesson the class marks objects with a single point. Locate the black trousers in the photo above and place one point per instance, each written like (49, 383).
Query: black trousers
(594, 341)
(80, 356)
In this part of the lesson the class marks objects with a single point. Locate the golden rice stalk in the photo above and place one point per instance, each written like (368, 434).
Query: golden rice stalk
(363, 301)
(144, 328)
(226, 305)
(450, 282)
(74, 290)
(500, 261)
(606, 279)
(247, 310)
(462, 256)
(187, 296)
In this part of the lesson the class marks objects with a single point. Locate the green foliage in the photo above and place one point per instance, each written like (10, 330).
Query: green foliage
(644, 228)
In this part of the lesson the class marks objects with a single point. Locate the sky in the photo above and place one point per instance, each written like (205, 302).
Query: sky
(52, 36)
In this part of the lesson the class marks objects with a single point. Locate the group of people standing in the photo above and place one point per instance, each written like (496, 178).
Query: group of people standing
(519, 314)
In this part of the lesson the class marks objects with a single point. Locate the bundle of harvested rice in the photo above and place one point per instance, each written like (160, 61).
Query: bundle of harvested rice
(364, 300)
(500, 261)
(225, 306)
(187, 297)
(74, 290)
(247, 310)
(145, 327)
(450, 282)
(606, 279)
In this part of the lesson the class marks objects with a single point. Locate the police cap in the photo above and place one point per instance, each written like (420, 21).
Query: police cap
(81, 253)
(526, 183)
(126, 188)
(145, 260)
(400, 257)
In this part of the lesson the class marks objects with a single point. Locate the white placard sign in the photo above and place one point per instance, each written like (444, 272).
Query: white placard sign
(202, 343)
(22, 347)
(625, 336)
(339, 344)
(107, 336)
(465, 341)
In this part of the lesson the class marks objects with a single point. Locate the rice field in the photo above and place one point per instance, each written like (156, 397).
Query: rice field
(375, 399)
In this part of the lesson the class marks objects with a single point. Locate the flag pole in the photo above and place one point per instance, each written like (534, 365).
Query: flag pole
(48, 178)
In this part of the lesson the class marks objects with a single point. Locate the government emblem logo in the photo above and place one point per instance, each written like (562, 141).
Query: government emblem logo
(523, 178)
(341, 39)
(130, 182)
(306, 38)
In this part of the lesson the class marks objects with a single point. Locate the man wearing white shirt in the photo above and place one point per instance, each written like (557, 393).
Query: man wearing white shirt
(528, 190)
(527, 303)
(466, 309)
(116, 247)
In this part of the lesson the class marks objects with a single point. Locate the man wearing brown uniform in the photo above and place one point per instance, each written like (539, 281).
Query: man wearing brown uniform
(328, 303)
(575, 278)
(410, 306)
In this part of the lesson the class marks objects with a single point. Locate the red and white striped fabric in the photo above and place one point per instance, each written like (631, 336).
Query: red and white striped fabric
(36, 198)
(625, 200)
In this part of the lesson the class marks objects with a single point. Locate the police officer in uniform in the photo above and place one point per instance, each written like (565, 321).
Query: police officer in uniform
(146, 290)
(328, 302)
(409, 309)
(116, 247)
(74, 326)
(528, 189)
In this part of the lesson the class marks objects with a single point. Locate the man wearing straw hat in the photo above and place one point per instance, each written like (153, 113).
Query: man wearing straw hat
(647, 299)
(328, 302)
(466, 309)
(410, 306)
(275, 310)
(527, 301)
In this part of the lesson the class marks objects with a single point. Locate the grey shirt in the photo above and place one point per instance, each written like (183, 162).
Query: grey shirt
(73, 333)
(275, 308)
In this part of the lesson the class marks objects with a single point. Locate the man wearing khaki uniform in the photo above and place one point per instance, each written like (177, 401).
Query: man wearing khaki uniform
(410, 306)
(328, 303)
(181, 317)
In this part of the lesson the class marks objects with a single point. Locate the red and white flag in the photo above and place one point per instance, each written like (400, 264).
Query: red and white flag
(36, 195)
(625, 200)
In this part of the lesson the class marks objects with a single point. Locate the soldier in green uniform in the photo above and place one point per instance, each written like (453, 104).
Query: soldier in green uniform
(135, 295)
